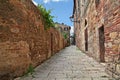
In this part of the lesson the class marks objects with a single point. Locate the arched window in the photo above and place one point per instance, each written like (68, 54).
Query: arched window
(65, 29)
(85, 22)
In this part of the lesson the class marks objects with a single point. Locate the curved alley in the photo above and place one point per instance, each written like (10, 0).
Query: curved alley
(69, 64)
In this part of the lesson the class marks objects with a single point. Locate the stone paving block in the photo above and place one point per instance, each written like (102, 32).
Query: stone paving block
(82, 79)
(70, 64)
(98, 78)
(58, 75)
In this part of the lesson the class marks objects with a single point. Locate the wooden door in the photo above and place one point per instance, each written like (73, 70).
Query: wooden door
(86, 39)
(101, 44)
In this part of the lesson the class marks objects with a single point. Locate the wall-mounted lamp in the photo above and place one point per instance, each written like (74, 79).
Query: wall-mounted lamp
(72, 19)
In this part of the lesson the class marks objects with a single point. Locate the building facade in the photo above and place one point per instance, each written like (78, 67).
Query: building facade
(65, 31)
(97, 31)
(24, 41)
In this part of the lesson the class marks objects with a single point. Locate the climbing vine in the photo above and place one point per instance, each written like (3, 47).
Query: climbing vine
(47, 17)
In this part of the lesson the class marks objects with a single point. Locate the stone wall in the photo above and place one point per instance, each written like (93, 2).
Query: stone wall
(98, 33)
(23, 40)
(14, 59)
(112, 36)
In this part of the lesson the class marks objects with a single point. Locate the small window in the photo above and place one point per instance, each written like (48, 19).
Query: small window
(85, 22)
(65, 29)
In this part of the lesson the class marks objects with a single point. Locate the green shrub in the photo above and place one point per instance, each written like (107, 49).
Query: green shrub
(65, 35)
(30, 71)
(48, 19)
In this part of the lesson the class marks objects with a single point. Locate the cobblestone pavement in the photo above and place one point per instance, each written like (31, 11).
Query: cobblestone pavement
(69, 64)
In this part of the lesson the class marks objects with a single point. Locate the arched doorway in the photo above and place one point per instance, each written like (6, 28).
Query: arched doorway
(101, 44)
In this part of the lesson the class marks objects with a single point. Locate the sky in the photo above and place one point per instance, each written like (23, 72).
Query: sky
(61, 10)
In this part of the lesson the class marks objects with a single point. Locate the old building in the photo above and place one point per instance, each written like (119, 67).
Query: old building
(97, 31)
(23, 39)
(65, 31)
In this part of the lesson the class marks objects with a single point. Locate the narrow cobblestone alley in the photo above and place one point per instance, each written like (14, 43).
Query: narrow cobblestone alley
(69, 64)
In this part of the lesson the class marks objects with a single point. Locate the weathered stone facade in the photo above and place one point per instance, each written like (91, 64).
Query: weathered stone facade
(14, 58)
(97, 30)
(65, 31)
(23, 40)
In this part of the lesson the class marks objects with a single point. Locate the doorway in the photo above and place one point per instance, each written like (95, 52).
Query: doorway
(86, 39)
(51, 43)
(101, 44)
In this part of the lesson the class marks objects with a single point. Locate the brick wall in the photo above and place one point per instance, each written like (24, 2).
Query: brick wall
(98, 33)
(23, 40)
(112, 36)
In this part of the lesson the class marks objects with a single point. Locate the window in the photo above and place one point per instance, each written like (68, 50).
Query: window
(65, 29)
(85, 22)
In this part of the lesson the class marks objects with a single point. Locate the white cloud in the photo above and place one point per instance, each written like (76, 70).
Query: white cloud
(46, 1)
(34, 2)
(55, 0)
